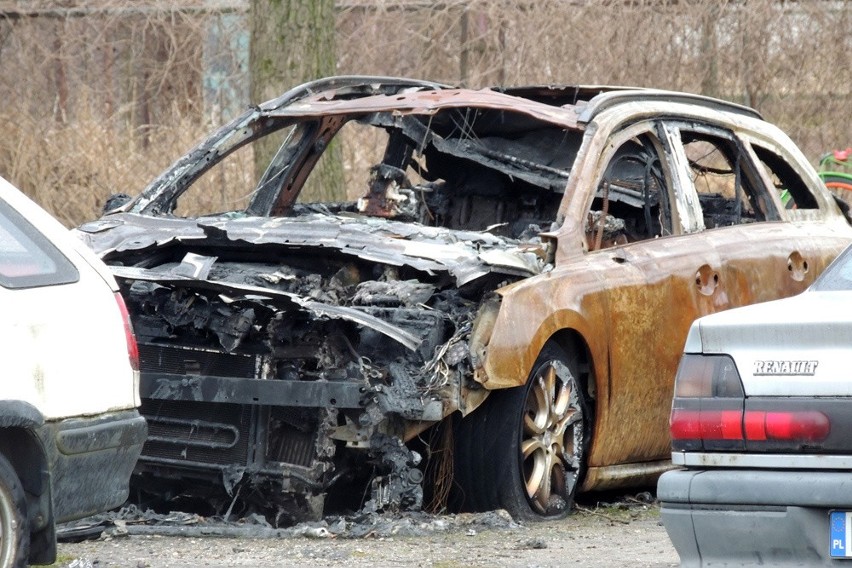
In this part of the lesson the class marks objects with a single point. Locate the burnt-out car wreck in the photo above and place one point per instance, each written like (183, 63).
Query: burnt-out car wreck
(493, 307)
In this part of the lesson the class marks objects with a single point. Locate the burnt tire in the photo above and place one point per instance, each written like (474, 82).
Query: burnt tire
(524, 450)
(14, 531)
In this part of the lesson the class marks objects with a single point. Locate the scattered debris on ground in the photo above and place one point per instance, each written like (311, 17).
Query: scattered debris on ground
(132, 521)
(142, 539)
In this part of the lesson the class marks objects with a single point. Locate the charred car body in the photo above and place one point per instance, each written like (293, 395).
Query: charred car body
(523, 262)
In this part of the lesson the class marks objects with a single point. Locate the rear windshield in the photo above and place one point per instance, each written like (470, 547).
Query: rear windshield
(838, 276)
(27, 258)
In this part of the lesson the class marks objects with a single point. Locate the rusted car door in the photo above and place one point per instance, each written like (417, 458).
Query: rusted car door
(731, 244)
(812, 236)
(659, 275)
(758, 213)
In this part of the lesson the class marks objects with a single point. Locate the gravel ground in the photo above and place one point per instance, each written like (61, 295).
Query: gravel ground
(621, 535)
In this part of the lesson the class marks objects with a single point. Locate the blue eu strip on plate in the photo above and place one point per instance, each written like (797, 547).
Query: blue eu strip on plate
(840, 522)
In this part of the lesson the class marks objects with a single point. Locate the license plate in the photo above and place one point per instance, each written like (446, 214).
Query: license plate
(840, 545)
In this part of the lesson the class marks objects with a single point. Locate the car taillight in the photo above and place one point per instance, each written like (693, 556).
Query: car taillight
(132, 347)
(803, 426)
(709, 412)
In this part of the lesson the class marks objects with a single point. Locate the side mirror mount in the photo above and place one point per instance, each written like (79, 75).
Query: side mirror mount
(115, 201)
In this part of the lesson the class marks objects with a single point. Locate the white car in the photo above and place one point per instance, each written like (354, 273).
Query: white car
(760, 424)
(70, 431)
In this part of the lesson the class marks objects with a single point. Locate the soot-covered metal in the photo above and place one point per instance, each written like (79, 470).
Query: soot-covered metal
(487, 312)
(275, 373)
(286, 353)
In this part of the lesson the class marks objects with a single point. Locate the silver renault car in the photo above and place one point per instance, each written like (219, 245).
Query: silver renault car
(760, 424)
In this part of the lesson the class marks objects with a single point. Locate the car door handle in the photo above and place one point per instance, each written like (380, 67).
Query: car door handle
(706, 280)
(797, 266)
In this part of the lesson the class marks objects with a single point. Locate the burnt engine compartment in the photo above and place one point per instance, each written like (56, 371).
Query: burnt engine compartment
(267, 385)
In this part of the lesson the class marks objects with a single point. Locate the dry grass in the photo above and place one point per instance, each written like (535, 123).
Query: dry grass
(99, 98)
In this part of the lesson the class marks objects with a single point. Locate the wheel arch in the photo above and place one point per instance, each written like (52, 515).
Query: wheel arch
(567, 339)
(18, 413)
(510, 359)
(23, 449)
(20, 444)
(572, 341)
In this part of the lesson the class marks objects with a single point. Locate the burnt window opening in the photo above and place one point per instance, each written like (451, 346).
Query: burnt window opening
(631, 203)
(726, 186)
(460, 168)
(468, 169)
(230, 183)
(791, 189)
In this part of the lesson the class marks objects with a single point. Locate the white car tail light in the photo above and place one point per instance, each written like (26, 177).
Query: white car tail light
(132, 347)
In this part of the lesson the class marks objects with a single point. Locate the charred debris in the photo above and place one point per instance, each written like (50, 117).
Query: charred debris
(295, 353)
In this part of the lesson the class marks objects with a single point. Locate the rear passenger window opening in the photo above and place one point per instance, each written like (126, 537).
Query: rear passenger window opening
(792, 191)
(728, 190)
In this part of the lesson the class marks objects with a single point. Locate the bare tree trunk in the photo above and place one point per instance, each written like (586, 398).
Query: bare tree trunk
(292, 41)
(710, 50)
(60, 77)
